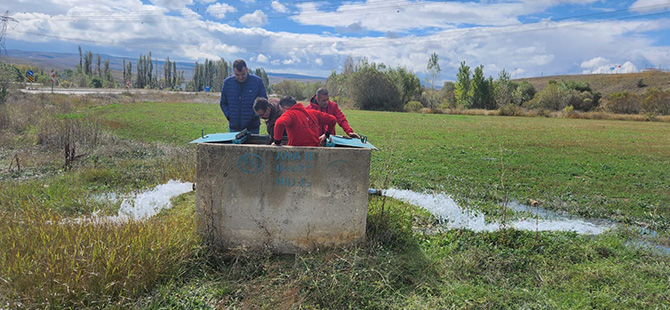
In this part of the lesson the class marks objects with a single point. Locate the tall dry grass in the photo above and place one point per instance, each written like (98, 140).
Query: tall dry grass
(51, 262)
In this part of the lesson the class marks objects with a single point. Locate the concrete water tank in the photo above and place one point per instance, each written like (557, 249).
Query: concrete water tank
(286, 199)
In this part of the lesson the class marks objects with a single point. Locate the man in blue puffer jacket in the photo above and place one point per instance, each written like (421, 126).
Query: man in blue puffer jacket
(237, 98)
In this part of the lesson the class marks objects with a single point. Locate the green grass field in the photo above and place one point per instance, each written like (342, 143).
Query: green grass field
(614, 170)
(594, 168)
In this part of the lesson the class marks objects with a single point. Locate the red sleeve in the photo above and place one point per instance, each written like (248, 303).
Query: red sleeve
(280, 126)
(329, 121)
(341, 119)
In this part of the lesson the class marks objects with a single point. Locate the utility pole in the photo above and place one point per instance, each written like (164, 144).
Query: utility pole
(5, 20)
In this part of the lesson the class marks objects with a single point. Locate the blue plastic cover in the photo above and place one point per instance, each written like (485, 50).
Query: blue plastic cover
(216, 137)
(337, 140)
(351, 142)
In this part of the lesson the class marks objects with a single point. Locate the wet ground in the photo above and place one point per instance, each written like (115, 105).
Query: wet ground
(146, 204)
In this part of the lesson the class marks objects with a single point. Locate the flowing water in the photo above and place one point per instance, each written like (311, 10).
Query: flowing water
(452, 216)
(146, 204)
(445, 209)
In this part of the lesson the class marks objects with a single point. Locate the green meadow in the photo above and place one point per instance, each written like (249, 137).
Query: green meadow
(60, 153)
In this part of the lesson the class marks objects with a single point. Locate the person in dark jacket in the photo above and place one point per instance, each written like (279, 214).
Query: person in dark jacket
(304, 127)
(237, 98)
(269, 110)
(321, 102)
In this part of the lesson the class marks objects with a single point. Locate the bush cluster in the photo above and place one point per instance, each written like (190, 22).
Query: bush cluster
(654, 101)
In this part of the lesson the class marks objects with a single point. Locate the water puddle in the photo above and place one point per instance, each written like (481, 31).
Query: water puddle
(446, 210)
(145, 204)
(452, 216)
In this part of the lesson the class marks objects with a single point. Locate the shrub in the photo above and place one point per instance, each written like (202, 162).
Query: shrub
(511, 109)
(656, 101)
(413, 106)
(623, 103)
(552, 98)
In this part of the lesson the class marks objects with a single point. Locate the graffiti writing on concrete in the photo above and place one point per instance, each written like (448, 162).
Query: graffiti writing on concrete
(251, 163)
(294, 167)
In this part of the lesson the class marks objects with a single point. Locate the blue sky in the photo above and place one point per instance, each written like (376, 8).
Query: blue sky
(525, 37)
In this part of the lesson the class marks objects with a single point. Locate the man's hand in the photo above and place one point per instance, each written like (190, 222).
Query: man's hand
(354, 135)
(322, 140)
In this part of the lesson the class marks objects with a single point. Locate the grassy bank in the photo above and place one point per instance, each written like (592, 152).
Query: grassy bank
(595, 168)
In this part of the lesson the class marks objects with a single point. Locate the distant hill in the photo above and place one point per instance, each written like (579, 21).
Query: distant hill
(607, 84)
(62, 61)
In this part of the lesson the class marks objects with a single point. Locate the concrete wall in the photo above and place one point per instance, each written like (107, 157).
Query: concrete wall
(287, 199)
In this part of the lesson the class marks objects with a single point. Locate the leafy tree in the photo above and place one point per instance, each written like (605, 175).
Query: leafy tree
(80, 60)
(167, 72)
(503, 89)
(98, 65)
(482, 90)
(407, 82)
(348, 66)
(291, 88)
(260, 72)
(8, 75)
(447, 95)
(523, 93)
(434, 72)
(338, 86)
(463, 91)
(129, 71)
(310, 89)
(88, 62)
(374, 90)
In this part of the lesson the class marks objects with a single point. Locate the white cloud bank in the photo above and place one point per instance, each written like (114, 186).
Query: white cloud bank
(502, 42)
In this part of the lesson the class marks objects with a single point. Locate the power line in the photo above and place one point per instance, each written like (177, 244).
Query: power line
(5, 20)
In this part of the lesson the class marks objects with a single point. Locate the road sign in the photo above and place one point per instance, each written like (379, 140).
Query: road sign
(53, 76)
(30, 75)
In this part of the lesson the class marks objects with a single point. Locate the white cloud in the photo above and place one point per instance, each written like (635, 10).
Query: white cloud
(650, 5)
(596, 62)
(356, 27)
(530, 49)
(399, 16)
(172, 4)
(279, 7)
(255, 19)
(219, 10)
(603, 67)
(249, 1)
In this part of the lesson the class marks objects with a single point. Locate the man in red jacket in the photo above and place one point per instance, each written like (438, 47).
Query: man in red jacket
(321, 102)
(304, 127)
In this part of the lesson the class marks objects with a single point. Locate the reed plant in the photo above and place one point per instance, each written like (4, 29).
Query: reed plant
(50, 261)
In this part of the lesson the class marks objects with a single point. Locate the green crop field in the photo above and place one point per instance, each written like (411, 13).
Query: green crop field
(597, 169)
